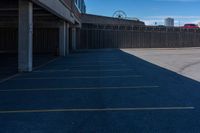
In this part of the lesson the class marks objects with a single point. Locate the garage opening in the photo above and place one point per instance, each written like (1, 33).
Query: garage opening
(45, 37)
(8, 38)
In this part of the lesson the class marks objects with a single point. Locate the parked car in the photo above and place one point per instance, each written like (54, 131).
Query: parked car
(191, 26)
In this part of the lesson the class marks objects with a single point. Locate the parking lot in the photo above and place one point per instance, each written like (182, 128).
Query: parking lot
(101, 91)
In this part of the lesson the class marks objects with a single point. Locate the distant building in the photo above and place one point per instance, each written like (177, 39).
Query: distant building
(199, 24)
(169, 22)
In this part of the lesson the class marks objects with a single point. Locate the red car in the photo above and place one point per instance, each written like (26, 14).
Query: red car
(190, 26)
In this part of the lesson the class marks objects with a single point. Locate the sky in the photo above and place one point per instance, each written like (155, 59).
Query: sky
(149, 11)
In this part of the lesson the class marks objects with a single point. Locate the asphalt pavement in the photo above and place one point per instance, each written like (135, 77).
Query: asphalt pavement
(100, 91)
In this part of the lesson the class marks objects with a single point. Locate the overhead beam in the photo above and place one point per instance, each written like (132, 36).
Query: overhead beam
(57, 8)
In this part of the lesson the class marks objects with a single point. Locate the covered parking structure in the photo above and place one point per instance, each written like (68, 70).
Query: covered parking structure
(32, 32)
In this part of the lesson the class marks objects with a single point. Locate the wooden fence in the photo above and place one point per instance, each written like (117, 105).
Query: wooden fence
(137, 37)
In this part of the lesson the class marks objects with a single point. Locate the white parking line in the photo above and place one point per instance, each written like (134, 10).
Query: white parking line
(88, 88)
(81, 77)
(97, 110)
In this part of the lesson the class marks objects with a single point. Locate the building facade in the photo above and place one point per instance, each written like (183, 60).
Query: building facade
(169, 22)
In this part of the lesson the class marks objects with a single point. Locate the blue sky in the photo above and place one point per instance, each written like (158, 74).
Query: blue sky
(149, 11)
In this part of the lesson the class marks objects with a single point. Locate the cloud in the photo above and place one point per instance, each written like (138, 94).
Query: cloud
(178, 20)
(157, 21)
(161, 22)
(152, 22)
(195, 22)
(175, 17)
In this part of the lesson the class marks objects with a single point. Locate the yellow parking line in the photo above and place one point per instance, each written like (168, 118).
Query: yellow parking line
(107, 65)
(81, 77)
(93, 62)
(88, 88)
(9, 78)
(68, 70)
(53, 60)
(108, 70)
(97, 110)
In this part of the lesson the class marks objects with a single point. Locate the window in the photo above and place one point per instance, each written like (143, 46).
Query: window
(80, 4)
(76, 2)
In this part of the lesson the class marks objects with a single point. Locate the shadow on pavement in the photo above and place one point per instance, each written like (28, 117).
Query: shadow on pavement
(9, 63)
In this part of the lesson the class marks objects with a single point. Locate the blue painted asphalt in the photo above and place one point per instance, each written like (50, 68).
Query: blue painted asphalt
(99, 79)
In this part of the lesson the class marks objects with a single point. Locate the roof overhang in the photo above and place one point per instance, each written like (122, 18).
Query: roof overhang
(56, 7)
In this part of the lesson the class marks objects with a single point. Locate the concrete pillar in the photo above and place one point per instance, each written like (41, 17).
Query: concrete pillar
(67, 39)
(62, 39)
(25, 36)
(73, 38)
